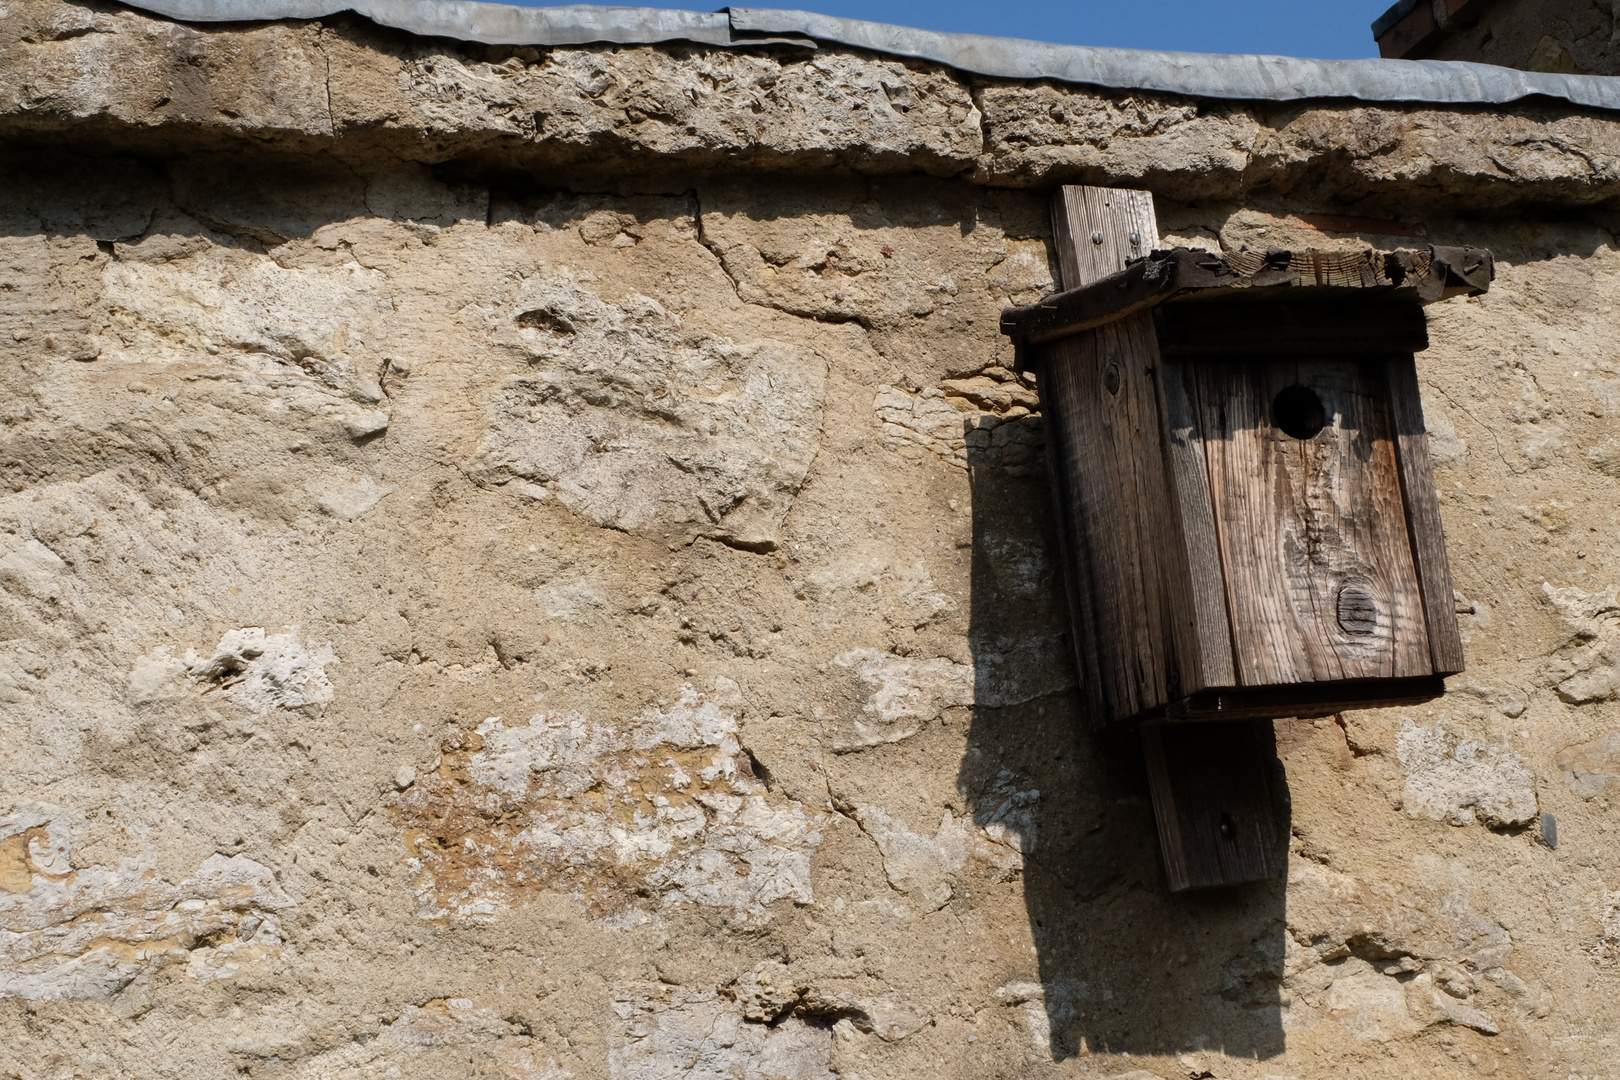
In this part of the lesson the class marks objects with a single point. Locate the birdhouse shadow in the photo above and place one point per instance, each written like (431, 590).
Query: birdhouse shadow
(1121, 964)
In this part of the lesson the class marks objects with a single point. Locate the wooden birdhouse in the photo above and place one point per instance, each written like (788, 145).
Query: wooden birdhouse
(1245, 500)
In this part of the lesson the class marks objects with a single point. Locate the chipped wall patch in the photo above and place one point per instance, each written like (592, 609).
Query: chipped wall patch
(663, 1031)
(87, 933)
(1369, 1005)
(1586, 668)
(905, 595)
(1590, 767)
(453, 1022)
(986, 420)
(923, 867)
(1048, 1009)
(926, 419)
(265, 672)
(1463, 781)
(637, 425)
(570, 600)
(349, 497)
(1609, 920)
(664, 808)
(905, 693)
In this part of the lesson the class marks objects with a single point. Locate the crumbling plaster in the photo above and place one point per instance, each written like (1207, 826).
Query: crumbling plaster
(537, 566)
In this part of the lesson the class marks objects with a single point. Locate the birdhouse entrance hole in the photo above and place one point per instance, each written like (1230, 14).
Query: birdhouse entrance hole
(1298, 412)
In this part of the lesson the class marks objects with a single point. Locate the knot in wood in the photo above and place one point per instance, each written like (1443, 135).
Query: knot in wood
(1111, 378)
(1358, 611)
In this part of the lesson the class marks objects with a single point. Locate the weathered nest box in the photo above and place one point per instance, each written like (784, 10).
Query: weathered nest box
(1244, 495)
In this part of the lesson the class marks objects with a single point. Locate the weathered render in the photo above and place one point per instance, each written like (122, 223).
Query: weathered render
(535, 563)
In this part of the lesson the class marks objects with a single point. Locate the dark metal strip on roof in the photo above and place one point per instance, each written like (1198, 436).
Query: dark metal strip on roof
(1393, 16)
(1206, 75)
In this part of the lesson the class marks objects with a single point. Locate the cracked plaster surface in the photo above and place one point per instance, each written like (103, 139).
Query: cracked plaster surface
(364, 716)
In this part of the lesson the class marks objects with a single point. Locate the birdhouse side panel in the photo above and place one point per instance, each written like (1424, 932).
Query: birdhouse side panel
(1305, 481)
(1128, 578)
(1423, 515)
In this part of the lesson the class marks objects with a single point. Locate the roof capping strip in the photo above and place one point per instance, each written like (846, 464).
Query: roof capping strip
(1203, 75)
(463, 20)
(1392, 16)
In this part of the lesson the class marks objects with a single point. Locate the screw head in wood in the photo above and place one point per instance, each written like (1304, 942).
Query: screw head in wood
(1136, 239)
(1096, 238)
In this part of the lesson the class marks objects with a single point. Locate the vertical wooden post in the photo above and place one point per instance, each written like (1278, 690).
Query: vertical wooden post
(1140, 562)
(1212, 798)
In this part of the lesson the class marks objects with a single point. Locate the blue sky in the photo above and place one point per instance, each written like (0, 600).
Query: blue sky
(1337, 29)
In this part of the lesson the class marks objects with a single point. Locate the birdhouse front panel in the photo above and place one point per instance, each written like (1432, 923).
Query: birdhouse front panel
(1320, 580)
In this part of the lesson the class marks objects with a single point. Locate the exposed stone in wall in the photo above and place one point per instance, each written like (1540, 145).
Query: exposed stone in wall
(345, 85)
(84, 931)
(1589, 768)
(634, 426)
(1462, 782)
(666, 809)
(663, 1032)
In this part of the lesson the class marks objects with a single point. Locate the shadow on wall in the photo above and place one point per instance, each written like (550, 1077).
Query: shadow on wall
(1124, 965)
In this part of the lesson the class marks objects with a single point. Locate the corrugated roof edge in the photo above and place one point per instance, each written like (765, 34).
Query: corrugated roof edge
(1206, 75)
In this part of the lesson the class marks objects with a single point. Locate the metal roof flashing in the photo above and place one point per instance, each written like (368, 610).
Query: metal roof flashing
(1203, 75)
(1394, 15)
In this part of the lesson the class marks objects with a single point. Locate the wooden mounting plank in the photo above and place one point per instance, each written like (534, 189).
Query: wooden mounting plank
(1098, 231)
(1422, 503)
(1213, 799)
(1141, 564)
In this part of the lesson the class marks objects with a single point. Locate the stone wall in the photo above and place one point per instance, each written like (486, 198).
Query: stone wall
(534, 564)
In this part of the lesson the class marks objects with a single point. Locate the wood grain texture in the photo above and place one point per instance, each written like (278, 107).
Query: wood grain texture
(1300, 521)
(1217, 812)
(1096, 230)
(1423, 515)
(1147, 630)
(1129, 580)
(1189, 476)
